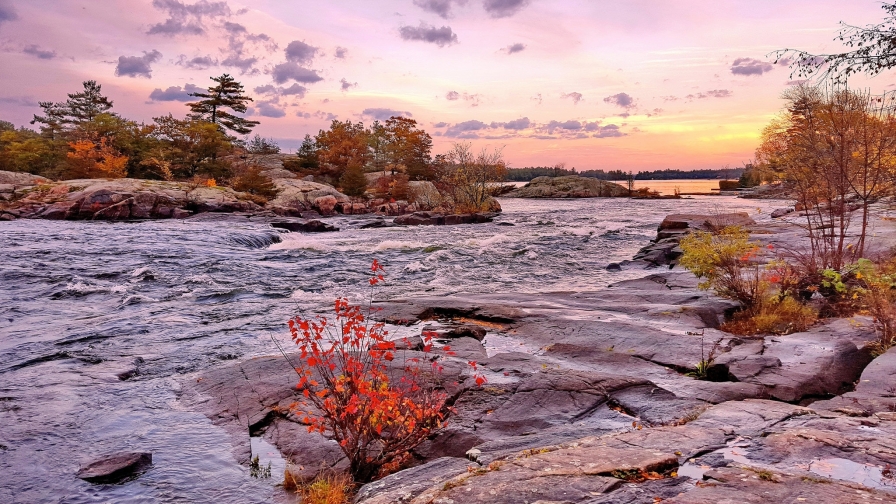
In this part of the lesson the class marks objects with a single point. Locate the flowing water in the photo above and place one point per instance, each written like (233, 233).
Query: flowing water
(101, 323)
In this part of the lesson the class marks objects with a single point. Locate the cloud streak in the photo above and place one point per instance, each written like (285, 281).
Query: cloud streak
(285, 72)
(623, 100)
(7, 13)
(441, 8)
(381, 114)
(186, 19)
(514, 48)
(137, 66)
(574, 96)
(750, 66)
(504, 8)
(299, 52)
(37, 52)
(174, 93)
(430, 34)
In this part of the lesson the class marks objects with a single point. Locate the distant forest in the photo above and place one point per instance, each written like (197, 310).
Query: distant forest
(529, 173)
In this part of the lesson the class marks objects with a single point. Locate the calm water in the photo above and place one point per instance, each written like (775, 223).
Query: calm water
(704, 186)
(683, 185)
(81, 302)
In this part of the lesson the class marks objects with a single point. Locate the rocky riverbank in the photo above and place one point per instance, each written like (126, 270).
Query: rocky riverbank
(24, 196)
(590, 399)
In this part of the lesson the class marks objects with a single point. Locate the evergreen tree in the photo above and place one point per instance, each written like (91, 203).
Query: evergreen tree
(261, 145)
(308, 154)
(80, 108)
(227, 94)
(86, 105)
(353, 181)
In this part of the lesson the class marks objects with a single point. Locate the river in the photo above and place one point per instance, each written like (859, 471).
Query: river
(100, 323)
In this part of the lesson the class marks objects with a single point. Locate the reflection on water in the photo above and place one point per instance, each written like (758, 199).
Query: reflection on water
(864, 474)
(100, 323)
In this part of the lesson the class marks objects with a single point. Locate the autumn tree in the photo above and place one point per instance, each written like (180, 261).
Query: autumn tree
(342, 146)
(24, 150)
(226, 94)
(188, 147)
(834, 148)
(378, 140)
(468, 176)
(871, 50)
(408, 148)
(88, 159)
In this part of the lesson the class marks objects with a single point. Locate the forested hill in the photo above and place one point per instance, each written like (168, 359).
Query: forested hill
(529, 173)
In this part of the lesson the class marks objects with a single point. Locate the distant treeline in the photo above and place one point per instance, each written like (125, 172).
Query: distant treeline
(529, 173)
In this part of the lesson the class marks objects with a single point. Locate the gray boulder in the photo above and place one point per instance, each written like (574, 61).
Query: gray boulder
(116, 468)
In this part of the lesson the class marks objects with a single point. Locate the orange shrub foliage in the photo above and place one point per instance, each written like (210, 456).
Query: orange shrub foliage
(88, 159)
(359, 390)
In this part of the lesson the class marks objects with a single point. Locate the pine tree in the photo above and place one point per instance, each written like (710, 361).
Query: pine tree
(86, 105)
(308, 154)
(227, 94)
(353, 181)
(80, 108)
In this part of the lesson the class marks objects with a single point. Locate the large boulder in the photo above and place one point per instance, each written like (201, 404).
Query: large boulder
(124, 199)
(21, 179)
(571, 186)
(424, 194)
(705, 222)
(302, 194)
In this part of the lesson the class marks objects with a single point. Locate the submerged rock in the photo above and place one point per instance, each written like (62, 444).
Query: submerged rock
(116, 468)
(309, 226)
(438, 219)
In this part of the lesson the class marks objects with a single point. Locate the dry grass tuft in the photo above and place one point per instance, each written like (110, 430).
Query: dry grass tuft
(774, 317)
(330, 488)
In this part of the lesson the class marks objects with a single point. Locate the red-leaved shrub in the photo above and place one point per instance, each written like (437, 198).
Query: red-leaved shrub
(377, 402)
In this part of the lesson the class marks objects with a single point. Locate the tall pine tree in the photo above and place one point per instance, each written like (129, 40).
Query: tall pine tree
(80, 108)
(227, 94)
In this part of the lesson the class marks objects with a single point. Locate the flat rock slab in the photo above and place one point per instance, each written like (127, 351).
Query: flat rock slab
(116, 468)
(875, 391)
(745, 486)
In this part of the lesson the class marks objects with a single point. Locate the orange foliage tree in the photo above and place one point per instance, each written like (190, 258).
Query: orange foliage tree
(358, 392)
(88, 159)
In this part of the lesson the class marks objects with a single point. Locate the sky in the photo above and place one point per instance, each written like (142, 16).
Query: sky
(594, 84)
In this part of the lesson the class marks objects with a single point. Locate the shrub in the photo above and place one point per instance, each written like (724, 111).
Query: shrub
(878, 291)
(333, 488)
(253, 182)
(724, 261)
(377, 409)
(729, 185)
(776, 315)
(768, 296)
(353, 181)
